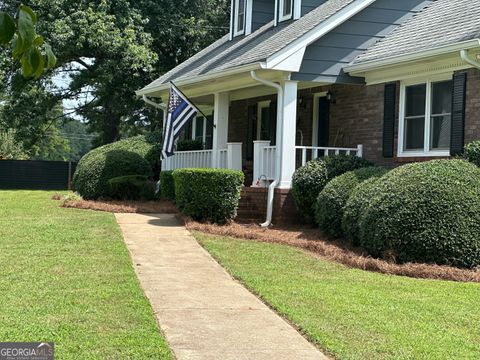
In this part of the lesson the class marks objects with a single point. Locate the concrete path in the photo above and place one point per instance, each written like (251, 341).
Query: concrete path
(204, 313)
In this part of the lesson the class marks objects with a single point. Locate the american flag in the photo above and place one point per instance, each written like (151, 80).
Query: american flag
(180, 113)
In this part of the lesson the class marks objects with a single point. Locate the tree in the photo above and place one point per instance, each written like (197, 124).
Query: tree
(111, 48)
(25, 45)
(10, 148)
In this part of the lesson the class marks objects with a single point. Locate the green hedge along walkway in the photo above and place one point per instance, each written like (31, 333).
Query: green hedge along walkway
(204, 313)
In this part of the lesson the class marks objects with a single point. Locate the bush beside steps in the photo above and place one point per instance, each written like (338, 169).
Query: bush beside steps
(131, 187)
(210, 195)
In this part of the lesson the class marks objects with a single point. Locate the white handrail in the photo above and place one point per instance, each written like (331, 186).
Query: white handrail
(323, 151)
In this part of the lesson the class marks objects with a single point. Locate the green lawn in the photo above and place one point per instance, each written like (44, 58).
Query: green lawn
(66, 276)
(355, 314)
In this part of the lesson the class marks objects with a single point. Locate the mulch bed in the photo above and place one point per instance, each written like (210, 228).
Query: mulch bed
(312, 240)
(153, 207)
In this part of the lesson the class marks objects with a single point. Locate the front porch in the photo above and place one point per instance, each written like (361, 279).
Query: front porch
(266, 132)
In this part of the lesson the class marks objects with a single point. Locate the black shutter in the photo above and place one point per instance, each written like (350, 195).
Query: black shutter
(323, 122)
(458, 113)
(272, 123)
(251, 130)
(389, 108)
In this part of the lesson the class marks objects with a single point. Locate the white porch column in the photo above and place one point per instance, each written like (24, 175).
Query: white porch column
(287, 123)
(220, 119)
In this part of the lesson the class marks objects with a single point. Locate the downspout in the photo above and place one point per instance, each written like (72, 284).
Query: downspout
(273, 185)
(467, 59)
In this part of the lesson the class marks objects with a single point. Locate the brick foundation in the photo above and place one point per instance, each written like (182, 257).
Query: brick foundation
(253, 206)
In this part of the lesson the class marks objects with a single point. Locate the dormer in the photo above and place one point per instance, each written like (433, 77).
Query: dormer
(247, 16)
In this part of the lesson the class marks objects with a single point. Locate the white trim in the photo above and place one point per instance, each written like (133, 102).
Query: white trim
(236, 15)
(260, 106)
(401, 153)
(376, 64)
(315, 114)
(232, 3)
(323, 28)
(201, 78)
(297, 9)
(248, 17)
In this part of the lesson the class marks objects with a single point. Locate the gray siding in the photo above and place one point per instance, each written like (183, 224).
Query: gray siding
(324, 59)
(309, 5)
(262, 13)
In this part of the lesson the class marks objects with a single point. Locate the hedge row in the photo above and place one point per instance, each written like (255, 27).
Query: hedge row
(308, 181)
(209, 195)
(332, 200)
(135, 156)
(423, 212)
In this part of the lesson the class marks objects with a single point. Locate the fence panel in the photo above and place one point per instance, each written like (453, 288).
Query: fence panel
(36, 175)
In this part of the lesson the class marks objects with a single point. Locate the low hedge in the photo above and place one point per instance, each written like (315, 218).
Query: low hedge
(332, 199)
(167, 186)
(425, 212)
(139, 155)
(309, 180)
(131, 187)
(208, 194)
(472, 152)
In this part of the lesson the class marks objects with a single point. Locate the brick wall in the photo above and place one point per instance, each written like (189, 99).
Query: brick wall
(356, 118)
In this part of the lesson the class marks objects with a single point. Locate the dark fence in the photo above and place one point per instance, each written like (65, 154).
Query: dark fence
(36, 175)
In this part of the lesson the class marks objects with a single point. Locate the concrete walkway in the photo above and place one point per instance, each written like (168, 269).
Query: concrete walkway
(204, 313)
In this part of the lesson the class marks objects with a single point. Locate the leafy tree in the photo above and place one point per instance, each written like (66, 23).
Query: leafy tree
(18, 33)
(10, 147)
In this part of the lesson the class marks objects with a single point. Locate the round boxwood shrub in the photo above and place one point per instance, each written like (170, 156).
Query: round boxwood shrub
(353, 209)
(309, 180)
(167, 186)
(472, 152)
(131, 187)
(425, 212)
(208, 194)
(332, 199)
(134, 156)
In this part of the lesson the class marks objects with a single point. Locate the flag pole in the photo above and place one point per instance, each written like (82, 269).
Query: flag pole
(200, 111)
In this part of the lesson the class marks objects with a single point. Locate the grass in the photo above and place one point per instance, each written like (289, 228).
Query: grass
(355, 314)
(66, 276)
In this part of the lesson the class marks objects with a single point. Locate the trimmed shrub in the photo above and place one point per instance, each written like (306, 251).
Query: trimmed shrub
(425, 212)
(167, 186)
(189, 145)
(353, 209)
(340, 164)
(131, 187)
(472, 152)
(332, 199)
(208, 194)
(134, 156)
(309, 180)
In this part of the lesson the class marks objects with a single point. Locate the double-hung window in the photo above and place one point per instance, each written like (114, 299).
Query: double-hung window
(285, 10)
(239, 17)
(425, 118)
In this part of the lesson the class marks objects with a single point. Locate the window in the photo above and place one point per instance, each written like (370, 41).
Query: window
(425, 121)
(286, 10)
(239, 17)
(202, 130)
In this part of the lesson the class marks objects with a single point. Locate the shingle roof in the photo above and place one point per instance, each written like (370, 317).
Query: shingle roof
(443, 22)
(256, 47)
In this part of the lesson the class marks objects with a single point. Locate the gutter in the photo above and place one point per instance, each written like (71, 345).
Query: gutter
(375, 64)
(202, 78)
(274, 184)
(467, 59)
(161, 106)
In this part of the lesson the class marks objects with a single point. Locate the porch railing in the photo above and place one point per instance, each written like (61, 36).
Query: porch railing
(229, 158)
(264, 167)
(314, 152)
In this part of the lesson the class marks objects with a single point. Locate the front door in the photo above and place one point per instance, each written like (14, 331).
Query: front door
(323, 122)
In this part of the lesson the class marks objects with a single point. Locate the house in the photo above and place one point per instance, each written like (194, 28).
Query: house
(392, 81)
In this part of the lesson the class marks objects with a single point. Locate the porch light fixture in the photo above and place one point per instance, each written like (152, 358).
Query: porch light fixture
(331, 98)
